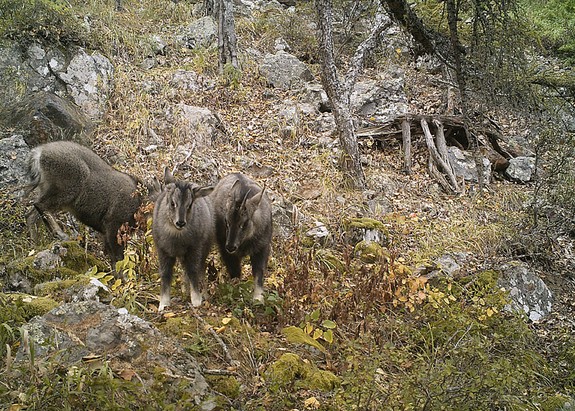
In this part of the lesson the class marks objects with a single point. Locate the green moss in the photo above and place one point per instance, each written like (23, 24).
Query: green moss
(369, 251)
(291, 369)
(226, 385)
(329, 259)
(488, 279)
(366, 223)
(31, 305)
(296, 335)
(53, 287)
(557, 402)
(78, 260)
(75, 261)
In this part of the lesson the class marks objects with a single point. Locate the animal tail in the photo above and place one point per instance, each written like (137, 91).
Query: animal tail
(33, 171)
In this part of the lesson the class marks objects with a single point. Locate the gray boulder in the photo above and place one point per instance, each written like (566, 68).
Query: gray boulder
(89, 80)
(202, 32)
(382, 98)
(463, 164)
(13, 153)
(76, 331)
(44, 116)
(527, 290)
(521, 169)
(284, 70)
(52, 93)
(200, 124)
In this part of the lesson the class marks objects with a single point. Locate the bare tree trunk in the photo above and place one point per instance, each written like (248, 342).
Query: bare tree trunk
(456, 51)
(227, 41)
(339, 91)
(406, 134)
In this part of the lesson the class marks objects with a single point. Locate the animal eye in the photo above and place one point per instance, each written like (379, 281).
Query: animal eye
(173, 204)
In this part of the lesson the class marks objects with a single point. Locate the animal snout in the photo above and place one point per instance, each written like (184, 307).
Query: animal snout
(180, 224)
(231, 248)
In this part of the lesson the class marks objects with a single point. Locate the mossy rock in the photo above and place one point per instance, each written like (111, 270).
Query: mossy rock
(366, 224)
(366, 229)
(32, 305)
(225, 385)
(56, 286)
(69, 264)
(369, 251)
(78, 260)
(291, 369)
(327, 257)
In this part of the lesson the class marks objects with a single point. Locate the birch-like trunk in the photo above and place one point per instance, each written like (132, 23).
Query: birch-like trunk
(339, 91)
(227, 40)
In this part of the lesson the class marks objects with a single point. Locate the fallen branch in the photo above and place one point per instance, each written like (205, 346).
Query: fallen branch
(437, 158)
(406, 133)
(214, 334)
(219, 372)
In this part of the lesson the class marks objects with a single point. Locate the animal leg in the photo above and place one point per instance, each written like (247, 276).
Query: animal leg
(49, 221)
(195, 267)
(259, 263)
(114, 250)
(233, 263)
(166, 266)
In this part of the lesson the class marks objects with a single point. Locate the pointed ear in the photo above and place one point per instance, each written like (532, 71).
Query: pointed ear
(234, 191)
(253, 203)
(168, 176)
(202, 191)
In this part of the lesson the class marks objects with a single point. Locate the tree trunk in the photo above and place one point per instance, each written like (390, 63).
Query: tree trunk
(406, 134)
(227, 41)
(456, 51)
(339, 91)
(339, 97)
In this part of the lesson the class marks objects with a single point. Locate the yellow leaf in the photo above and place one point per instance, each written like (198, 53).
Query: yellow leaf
(226, 320)
(311, 403)
(169, 315)
(116, 284)
(308, 328)
(317, 334)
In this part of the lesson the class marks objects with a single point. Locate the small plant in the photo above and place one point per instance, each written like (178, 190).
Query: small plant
(232, 76)
(315, 329)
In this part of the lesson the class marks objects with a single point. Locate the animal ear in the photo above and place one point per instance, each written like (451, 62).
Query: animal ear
(253, 203)
(154, 188)
(235, 190)
(202, 191)
(168, 176)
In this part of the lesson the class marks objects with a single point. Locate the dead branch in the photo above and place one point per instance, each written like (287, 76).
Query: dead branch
(406, 133)
(437, 158)
(214, 334)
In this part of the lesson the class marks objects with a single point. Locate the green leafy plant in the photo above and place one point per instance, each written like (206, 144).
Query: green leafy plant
(318, 330)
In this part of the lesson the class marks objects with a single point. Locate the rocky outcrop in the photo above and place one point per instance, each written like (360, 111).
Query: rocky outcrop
(49, 93)
(285, 71)
(463, 164)
(78, 332)
(13, 153)
(527, 290)
(521, 169)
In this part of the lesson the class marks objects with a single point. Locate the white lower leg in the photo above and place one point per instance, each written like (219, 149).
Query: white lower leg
(258, 293)
(196, 297)
(164, 300)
